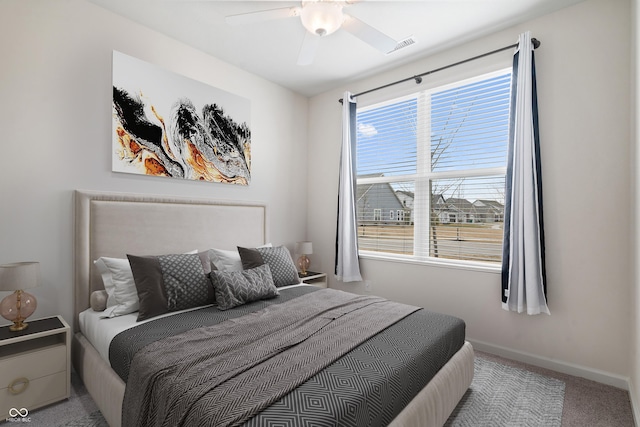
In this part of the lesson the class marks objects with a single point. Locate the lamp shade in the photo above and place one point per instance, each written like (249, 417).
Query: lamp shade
(19, 275)
(305, 248)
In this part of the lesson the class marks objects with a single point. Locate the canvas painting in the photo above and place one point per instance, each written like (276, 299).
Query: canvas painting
(165, 124)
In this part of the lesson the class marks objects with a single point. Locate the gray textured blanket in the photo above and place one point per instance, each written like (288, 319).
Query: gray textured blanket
(254, 359)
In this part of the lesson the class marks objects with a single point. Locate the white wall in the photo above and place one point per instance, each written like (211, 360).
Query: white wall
(583, 82)
(55, 121)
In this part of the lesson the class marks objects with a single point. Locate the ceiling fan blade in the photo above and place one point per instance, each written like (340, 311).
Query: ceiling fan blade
(309, 47)
(262, 15)
(368, 34)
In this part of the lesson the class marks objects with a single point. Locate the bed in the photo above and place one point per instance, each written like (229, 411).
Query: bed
(116, 224)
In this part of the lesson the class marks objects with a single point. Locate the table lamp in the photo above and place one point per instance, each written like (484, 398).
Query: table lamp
(304, 249)
(19, 305)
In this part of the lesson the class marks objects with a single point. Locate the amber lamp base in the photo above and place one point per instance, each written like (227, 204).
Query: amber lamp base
(17, 307)
(303, 264)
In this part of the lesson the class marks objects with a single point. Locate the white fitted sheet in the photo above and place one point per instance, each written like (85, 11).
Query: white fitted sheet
(100, 330)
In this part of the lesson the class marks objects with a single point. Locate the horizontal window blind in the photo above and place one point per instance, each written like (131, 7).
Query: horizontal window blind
(387, 139)
(470, 125)
(384, 217)
(430, 172)
(463, 227)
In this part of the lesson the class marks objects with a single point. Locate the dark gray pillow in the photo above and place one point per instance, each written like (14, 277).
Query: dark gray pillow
(250, 258)
(234, 288)
(171, 282)
(278, 259)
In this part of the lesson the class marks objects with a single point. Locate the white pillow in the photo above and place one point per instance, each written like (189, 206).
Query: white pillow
(225, 260)
(119, 284)
(117, 278)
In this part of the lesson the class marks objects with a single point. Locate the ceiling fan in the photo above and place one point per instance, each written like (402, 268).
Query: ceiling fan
(321, 18)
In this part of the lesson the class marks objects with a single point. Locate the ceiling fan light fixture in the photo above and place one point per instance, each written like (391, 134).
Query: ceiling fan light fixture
(321, 17)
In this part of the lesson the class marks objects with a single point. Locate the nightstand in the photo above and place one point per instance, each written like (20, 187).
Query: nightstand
(314, 278)
(35, 365)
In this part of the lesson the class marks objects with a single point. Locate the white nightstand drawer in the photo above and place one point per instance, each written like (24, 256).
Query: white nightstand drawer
(33, 364)
(37, 393)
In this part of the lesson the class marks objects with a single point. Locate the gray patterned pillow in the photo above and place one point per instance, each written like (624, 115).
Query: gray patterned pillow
(234, 288)
(171, 282)
(278, 259)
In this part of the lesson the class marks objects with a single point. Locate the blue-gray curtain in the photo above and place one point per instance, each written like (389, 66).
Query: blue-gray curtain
(347, 265)
(524, 285)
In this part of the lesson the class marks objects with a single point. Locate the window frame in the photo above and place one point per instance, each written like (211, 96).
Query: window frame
(424, 175)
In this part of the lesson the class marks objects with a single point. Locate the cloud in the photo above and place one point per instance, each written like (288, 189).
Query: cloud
(367, 130)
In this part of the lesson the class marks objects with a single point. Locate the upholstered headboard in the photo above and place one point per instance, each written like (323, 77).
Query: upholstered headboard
(117, 224)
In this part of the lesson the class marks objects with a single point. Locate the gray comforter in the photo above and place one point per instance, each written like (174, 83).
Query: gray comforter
(225, 374)
(367, 387)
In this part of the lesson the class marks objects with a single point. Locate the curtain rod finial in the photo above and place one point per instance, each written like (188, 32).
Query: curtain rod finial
(536, 43)
(418, 79)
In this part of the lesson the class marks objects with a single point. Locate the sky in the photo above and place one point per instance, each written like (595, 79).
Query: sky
(467, 128)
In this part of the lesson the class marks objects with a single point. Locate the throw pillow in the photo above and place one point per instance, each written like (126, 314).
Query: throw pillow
(171, 282)
(225, 260)
(234, 288)
(98, 300)
(278, 259)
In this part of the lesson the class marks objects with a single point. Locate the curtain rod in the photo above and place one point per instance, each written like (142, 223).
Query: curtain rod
(418, 77)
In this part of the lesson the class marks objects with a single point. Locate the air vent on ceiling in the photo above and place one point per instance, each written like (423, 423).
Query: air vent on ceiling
(402, 44)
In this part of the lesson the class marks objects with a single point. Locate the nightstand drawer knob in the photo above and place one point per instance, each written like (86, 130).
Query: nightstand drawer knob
(22, 384)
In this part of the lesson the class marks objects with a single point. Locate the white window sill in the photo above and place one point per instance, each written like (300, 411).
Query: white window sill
(460, 265)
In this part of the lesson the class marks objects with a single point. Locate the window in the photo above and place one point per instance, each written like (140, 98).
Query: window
(438, 159)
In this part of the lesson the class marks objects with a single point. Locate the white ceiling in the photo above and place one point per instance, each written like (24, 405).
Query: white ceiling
(270, 49)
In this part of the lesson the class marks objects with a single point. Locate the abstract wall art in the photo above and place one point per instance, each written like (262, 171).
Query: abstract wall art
(165, 124)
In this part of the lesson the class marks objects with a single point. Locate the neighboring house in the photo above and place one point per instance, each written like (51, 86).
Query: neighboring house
(446, 211)
(439, 209)
(379, 203)
(460, 210)
(406, 197)
(489, 210)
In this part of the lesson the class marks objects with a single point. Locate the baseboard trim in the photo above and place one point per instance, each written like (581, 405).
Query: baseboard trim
(634, 407)
(555, 365)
